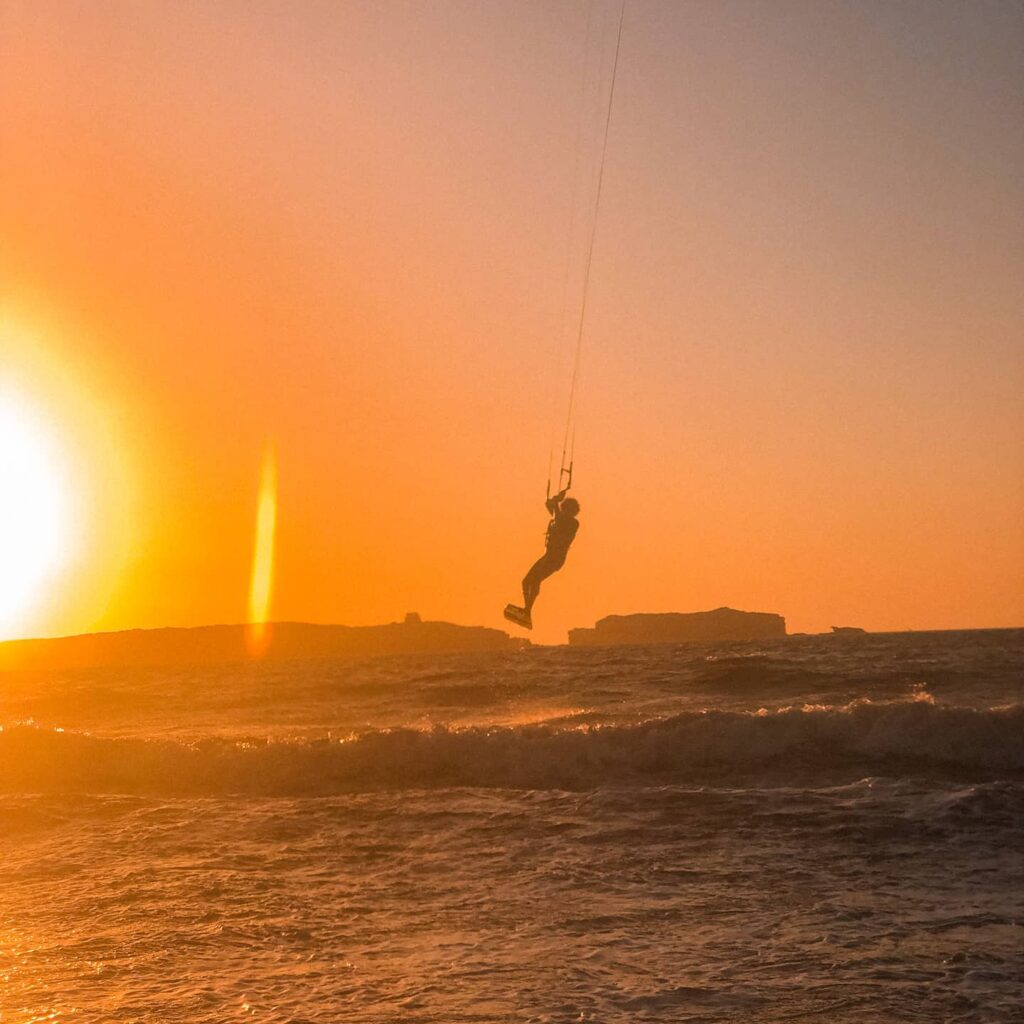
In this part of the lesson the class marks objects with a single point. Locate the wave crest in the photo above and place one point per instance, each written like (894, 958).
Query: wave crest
(873, 737)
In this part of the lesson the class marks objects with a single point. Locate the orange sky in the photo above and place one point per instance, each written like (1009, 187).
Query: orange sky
(343, 230)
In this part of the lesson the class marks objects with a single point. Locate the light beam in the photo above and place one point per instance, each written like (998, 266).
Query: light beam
(261, 586)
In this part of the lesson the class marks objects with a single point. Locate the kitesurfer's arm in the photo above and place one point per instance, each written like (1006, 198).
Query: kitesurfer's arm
(553, 502)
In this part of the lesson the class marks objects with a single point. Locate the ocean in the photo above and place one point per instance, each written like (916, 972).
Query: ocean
(810, 829)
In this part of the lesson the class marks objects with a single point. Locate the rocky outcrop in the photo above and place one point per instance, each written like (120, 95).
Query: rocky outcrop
(847, 631)
(285, 640)
(681, 627)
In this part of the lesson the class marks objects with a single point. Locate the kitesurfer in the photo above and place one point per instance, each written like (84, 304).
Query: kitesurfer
(560, 535)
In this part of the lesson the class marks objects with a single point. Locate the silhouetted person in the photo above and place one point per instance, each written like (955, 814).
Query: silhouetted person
(561, 533)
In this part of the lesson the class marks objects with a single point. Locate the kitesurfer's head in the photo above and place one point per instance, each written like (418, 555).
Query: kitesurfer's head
(571, 506)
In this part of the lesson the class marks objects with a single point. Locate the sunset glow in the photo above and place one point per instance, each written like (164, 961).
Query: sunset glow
(801, 371)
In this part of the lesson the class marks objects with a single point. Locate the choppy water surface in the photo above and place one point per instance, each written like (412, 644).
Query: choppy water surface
(812, 829)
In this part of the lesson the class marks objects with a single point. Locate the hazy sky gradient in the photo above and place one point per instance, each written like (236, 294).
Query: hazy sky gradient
(346, 228)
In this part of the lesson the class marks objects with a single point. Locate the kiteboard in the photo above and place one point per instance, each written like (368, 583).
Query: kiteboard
(519, 616)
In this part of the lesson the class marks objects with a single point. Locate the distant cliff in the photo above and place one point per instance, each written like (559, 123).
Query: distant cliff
(285, 640)
(679, 627)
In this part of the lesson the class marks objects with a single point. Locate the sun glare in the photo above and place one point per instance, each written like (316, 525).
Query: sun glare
(263, 555)
(33, 511)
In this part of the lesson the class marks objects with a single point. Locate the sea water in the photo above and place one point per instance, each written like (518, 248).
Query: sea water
(815, 829)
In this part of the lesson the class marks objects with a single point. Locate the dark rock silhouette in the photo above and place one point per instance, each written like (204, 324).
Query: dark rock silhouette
(285, 640)
(680, 627)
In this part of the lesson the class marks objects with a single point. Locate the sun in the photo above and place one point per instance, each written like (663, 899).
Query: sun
(34, 533)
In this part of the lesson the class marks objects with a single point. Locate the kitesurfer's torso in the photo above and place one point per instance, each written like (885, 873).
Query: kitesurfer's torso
(561, 533)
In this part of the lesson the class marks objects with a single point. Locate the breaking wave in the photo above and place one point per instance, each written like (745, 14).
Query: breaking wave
(913, 735)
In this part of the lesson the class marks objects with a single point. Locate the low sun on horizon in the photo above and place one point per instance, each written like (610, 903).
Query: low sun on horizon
(34, 510)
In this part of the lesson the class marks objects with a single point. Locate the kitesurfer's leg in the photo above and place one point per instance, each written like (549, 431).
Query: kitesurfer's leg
(532, 581)
(540, 571)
